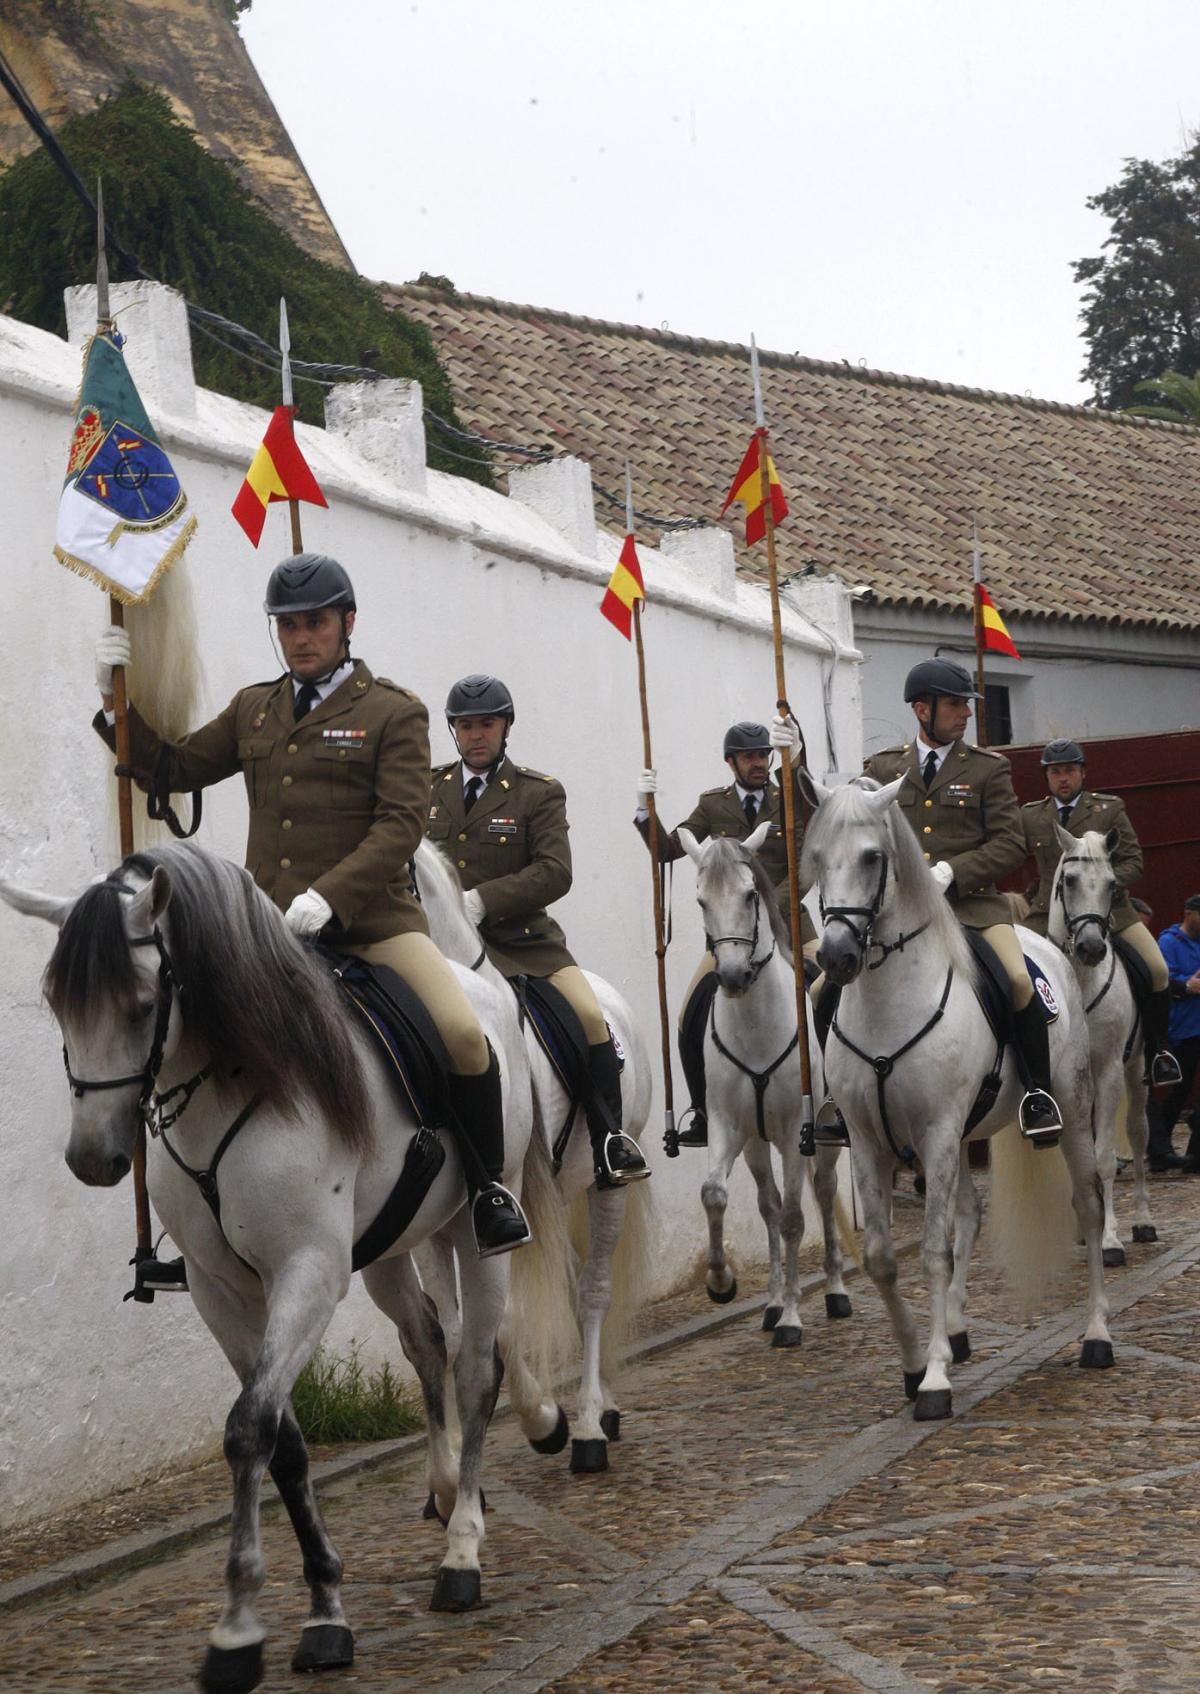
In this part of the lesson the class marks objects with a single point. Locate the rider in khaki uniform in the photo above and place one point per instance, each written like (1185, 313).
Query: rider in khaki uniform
(1077, 810)
(735, 811)
(504, 827)
(336, 765)
(960, 803)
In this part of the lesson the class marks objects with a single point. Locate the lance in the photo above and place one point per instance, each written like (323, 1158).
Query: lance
(116, 615)
(285, 348)
(787, 784)
(670, 1136)
(981, 703)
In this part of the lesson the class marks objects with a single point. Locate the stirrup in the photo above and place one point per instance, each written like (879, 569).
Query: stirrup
(1164, 1071)
(497, 1221)
(829, 1126)
(621, 1161)
(153, 1276)
(1039, 1118)
(696, 1133)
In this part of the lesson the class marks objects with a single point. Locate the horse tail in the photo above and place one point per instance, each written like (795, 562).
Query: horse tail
(1031, 1226)
(543, 1273)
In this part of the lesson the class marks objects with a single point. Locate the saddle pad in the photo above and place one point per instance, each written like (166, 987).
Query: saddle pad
(406, 1035)
(560, 1034)
(1136, 969)
(1042, 990)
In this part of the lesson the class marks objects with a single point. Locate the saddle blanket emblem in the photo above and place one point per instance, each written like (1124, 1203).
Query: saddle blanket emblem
(1043, 989)
(617, 1047)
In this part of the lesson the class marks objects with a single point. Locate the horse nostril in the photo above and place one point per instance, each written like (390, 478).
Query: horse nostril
(119, 1166)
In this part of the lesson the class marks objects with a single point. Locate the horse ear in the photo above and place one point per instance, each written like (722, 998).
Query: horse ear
(690, 845)
(1067, 842)
(52, 907)
(883, 797)
(755, 839)
(813, 791)
(150, 902)
(1112, 837)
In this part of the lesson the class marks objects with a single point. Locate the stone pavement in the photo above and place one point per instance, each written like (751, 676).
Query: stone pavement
(771, 1519)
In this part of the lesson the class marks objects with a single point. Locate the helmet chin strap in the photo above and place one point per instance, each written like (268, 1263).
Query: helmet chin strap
(317, 681)
(930, 728)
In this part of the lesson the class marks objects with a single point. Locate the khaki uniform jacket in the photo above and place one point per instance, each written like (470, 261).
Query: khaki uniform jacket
(719, 812)
(1101, 812)
(337, 801)
(968, 818)
(512, 847)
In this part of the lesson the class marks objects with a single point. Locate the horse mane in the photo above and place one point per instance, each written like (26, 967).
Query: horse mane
(849, 807)
(258, 1001)
(724, 852)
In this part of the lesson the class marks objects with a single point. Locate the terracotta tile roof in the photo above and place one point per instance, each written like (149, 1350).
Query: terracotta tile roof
(1082, 514)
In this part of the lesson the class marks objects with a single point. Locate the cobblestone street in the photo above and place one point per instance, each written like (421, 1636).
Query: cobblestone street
(771, 1518)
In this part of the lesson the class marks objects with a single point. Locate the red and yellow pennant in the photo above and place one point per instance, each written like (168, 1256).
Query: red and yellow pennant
(747, 487)
(625, 588)
(996, 638)
(278, 471)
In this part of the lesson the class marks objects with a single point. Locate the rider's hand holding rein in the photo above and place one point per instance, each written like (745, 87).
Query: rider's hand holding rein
(942, 875)
(112, 649)
(308, 914)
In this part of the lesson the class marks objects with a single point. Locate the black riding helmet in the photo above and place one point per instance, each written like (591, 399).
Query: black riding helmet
(933, 677)
(479, 696)
(747, 737)
(1062, 752)
(307, 582)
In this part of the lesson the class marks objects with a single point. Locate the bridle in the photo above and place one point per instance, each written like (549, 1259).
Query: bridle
(870, 916)
(757, 966)
(1076, 922)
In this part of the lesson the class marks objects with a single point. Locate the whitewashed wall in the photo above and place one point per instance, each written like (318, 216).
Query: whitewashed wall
(450, 578)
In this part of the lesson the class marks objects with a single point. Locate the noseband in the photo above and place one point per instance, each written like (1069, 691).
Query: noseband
(757, 966)
(869, 914)
(1077, 921)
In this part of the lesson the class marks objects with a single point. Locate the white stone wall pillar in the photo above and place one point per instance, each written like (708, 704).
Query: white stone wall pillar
(707, 553)
(385, 424)
(158, 343)
(561, 492)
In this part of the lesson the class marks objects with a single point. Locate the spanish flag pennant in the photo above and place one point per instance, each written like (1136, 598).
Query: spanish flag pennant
(747, 488)
(996, 638)
(278, 471)
(625, 587)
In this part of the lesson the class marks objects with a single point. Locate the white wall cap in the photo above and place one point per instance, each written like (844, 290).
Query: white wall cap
(158, 345)
(561, 490)
(708, 554)
(384, 422)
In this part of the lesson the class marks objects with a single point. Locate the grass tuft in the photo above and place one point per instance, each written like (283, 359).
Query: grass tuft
(341, 1400)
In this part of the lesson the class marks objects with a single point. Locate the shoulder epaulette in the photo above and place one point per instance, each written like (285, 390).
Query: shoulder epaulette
(1031, 805)
(440, 770)
(886, 752)
(538, 776)
(1115, 797)
(988, 752)
(386, 682)
(709, 792)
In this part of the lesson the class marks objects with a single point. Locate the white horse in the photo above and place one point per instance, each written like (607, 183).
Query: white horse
(1081, 898)
(277, 1141)
(752, 1063)
(611, 1238)
(906, 1058)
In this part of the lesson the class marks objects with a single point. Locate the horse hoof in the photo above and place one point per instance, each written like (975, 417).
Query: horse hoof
(1096, 1355)
(588, 1457)
(722, 1299)
(912, 1382)
(326, 1646)
(960, 1347)
(1113, 1257)
(430, 1511)
(772, 1316)
(837, 1306)
(232, 1670)
(456, 1590)
(787, 1335)
(1144, 1232)
(610, 1423)
(932, 1403)
(557, 1438)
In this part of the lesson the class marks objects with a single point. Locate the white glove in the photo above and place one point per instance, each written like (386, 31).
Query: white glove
(308, 914)
(474, 906)
(785, 735)
(112, 649)
(943, 876)
(647, 784)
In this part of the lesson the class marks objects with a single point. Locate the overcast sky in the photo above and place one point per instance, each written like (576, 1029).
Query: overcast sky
(894, 182)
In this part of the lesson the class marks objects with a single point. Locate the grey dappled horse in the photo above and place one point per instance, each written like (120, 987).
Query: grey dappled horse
(176, 973)
(614, 1259)
(751, 1035)
(906, 1057)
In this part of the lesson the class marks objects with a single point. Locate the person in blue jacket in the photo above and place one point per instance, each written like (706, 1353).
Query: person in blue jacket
(1180, 946)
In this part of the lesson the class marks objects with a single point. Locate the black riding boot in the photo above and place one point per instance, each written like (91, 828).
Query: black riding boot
(497, 1220)
(1160, 1150)
(1162, 1067)
(829, 1128)
(616, 1156)
(693, 1026)
(1040, 1120)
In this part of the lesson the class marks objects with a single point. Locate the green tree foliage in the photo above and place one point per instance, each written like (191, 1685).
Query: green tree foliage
(234, 8)
(1178, 398)
(1141, 312)
(189, 222)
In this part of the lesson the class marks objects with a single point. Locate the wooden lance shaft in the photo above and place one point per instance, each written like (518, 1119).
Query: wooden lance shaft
(297, 538)
(141, 1198)
(981, 703)
(789, 807)
(670, 1140)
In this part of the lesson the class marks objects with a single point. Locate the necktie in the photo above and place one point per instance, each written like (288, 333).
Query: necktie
(1064, 815)
(750, 807)
(929, 769)
(306, 699)
(472, 791)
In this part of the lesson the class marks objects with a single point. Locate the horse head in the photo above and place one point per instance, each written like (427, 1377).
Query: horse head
(735, 897)
(108, 985)
(1082, 894)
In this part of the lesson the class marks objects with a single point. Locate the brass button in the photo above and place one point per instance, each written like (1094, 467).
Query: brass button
(341, 752)
(292, 747)
(503, 840)
(929, 802)
(462, 837)
(927, 855)
(462, 864)
(962, 802)
(287, 823)
(928, 830)
(287, 782)
(285, 864)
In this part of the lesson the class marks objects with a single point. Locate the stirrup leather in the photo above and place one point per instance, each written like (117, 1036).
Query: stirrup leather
(1048, 1132)
(829, 1126)
(618, 1176)
(497, 1208)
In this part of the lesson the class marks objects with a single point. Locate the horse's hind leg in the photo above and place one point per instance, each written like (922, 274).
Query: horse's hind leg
(825, 1186)
(1138, 1130)
(784, 1322)
(967, 1213)
(589, 1436)
(942, 1155)
(1104, 1118)
(1079, 1153)
(724, 1144)
(392, 1284)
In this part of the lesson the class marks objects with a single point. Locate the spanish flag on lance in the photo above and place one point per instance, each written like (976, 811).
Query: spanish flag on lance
(747, 487)
(278, 471)
(625, 587)
(996, 638)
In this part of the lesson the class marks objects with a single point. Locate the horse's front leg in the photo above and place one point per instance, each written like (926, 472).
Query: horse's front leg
(724, 1145)
(1137, 1128)
(825, 1186)
(873, 1167)
(589, 1436)
(1109, 1088)
(788, 1331)
(967, 1215)
(1079, 1153)
(941, 1155)
(392, 1284)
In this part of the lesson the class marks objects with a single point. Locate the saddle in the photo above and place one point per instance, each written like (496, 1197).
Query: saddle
(1136, 969)
(563, 1039)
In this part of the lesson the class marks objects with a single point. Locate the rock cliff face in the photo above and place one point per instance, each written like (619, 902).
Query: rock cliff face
(70, 54)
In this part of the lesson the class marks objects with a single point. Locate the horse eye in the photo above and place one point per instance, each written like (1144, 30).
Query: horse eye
(871, 856)
(140, 1013)
(1070, 878)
